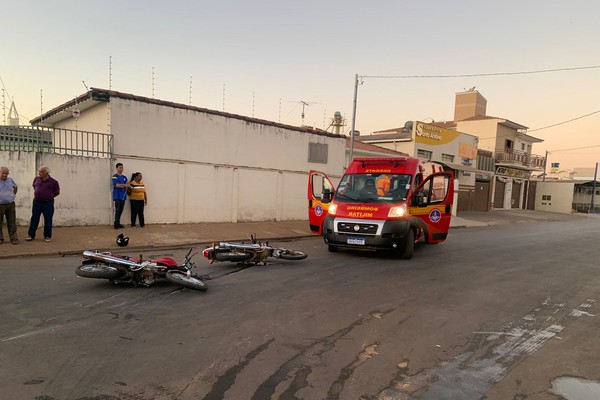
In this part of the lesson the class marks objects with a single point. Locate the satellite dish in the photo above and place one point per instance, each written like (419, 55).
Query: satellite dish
(408, 126)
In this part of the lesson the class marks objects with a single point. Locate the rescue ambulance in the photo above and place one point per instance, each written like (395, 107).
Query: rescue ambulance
(382, 204)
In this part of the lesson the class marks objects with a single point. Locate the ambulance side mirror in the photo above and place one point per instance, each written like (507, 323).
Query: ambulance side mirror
(419, 200)
(327, 196)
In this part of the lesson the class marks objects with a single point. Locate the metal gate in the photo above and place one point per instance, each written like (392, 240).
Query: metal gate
(499, 194)
(516, 195)
(531, 189)
(482, 196)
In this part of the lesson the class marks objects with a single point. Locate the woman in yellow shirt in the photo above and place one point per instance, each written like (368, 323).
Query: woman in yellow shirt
(138, 198)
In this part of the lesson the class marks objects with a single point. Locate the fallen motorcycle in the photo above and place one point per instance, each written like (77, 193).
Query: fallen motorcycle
(249, 253)
(123, 269)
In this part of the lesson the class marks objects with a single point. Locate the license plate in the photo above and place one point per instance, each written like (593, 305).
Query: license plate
(352, 240)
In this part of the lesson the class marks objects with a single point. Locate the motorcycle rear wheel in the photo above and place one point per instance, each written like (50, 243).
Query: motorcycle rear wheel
(233, 256)
(99, 271)
(189, 282)
(292, 254)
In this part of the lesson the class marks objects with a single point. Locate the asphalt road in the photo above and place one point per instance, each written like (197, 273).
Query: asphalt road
(496, 312)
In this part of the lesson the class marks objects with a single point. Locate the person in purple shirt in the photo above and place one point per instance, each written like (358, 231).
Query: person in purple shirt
(45, 189)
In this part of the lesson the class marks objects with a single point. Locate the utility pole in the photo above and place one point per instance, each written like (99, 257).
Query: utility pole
(545, 164)
(351, 156)
(593, 189)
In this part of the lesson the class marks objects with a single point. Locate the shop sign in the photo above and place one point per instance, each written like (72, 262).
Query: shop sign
(434, 135)
(515, 173)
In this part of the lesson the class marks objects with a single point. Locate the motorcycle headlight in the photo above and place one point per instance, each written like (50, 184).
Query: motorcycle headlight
(397, 212)
(332, 209)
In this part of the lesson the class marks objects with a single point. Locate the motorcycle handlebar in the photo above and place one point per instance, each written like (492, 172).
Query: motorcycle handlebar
(188, 257)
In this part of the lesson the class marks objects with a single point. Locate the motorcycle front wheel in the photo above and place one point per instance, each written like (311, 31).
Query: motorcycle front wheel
(292, 254)
(189, 282)
(99, 271)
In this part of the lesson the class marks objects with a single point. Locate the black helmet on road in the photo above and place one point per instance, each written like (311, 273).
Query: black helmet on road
(122, 240)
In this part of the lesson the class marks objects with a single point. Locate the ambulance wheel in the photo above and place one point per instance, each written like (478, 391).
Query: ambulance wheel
(332, 249)
(409, 246)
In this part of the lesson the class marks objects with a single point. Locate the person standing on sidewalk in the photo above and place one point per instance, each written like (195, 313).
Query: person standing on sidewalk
(8, 192)
(138, 198)
(120, 185)
(45, 189)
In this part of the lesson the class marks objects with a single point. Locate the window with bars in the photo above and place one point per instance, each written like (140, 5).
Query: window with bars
(426, 154)
(485, 162)
(317, 152)
(447, 157)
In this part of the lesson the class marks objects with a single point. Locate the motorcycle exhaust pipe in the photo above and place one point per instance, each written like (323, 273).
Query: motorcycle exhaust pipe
(110, 259)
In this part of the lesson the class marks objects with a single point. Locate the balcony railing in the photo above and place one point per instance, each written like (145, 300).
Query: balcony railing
(55, 140)
(520, 158)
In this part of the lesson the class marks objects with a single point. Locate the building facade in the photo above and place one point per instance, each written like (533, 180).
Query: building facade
(199, 165)
(456, 150)
(508, 143)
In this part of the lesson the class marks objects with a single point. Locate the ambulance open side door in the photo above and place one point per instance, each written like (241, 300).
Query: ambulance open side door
(432, 202)
(320, 194)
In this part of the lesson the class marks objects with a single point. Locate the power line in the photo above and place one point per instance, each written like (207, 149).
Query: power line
(358, 80)
(4, 86)
(576, 148)
(541, 71)
(564, 122)
(592, 153)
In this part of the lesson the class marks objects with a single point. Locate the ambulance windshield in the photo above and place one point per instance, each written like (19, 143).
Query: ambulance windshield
(373, 188)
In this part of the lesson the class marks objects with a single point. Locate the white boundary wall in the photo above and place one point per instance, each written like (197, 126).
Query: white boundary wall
(197, 166)
(560, 195)
(85, 189)
(177, 192)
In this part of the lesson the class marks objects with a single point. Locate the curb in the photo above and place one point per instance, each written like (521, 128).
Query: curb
(165, 246)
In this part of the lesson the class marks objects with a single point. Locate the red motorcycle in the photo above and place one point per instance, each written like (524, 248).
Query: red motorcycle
(123, 269)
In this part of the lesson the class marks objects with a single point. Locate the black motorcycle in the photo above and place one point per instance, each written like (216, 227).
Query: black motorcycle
(249, 253)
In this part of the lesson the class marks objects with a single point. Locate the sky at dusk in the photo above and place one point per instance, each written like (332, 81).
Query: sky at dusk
(264, 58)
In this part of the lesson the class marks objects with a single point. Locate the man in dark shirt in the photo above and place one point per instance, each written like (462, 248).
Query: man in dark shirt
(45, 189)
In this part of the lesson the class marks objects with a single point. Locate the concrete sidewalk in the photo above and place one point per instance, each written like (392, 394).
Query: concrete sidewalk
(74, 240)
